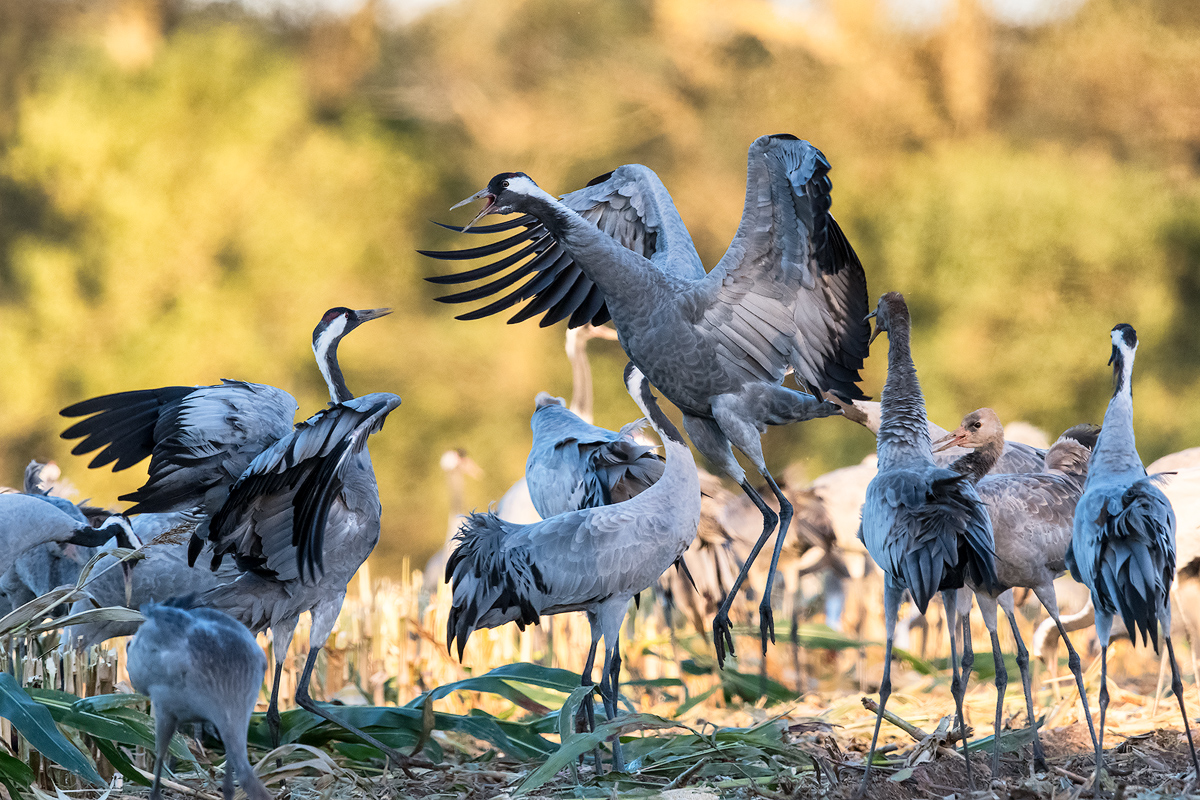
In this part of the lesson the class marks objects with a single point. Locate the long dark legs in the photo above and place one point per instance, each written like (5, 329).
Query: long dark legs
(1039, 756)
(1177, 688)
(987, 608)
(958, 682)
(610, 681)
(164, 729)
(1077, 670)
(1103, 711)
(891, 606)
(586, 717)
(273, 708)
(766, 618)
(308, 704)
(722, 629)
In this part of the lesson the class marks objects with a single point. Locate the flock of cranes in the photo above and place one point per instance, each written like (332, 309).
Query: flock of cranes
(282, 515)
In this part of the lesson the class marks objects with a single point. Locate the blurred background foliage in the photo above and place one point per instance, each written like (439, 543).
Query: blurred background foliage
(185, 188)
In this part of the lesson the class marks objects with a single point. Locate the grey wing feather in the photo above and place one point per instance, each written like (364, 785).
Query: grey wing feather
(573, 464)
(630, 204)
(790, 291)
(274, 519)
(199, 439)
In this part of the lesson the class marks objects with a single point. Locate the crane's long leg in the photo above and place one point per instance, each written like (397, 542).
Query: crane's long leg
(164, 729)
(308, 704)
(587, 710)
(958, 682)
(1103, 711)
(1177, 688)
(891, 607)
(722, 629)
(766, 617)
(273, 720)
(1077, 670)
(1039, 756)
(614, 677)
(987, 607)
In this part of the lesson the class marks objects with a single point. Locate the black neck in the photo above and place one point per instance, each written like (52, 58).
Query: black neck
(978, 462)
(338, 392)
(660, 420)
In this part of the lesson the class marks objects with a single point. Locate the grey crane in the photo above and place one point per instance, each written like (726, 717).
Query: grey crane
(789, 295)
(1123, 543)
(297, 508)
(1032, 515)
(199, 665)
(28, 521)
(593, 560)
(924, 526)
(516, 505)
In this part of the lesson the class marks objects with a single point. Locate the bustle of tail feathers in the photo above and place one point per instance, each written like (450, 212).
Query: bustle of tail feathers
(1136, 570)
(951, 516)
(484, 576)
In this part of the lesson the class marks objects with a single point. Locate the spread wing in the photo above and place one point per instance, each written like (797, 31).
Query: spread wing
(790, 292)
(199, 439)
(275, 517)
(630, 204)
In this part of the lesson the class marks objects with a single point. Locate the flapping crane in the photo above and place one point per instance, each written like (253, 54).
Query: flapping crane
(789, 295)
(297, 508)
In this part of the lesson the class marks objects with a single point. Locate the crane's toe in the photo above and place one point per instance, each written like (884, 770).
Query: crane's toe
(766, 624)
(723, 638)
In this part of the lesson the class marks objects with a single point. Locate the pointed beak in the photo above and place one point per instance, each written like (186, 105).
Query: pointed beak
(368, 314)
(481, 194)
(875, 333)
(954, 439)
(471, 468)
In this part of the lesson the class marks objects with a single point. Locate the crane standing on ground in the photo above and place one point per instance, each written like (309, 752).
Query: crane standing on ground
(593, 560)
(1123, 542)
(924, 526)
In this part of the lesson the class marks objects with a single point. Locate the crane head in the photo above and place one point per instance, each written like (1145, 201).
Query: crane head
(978, 429)
(503, 194)
(890, 311)
(1125, 341)
(339, 321)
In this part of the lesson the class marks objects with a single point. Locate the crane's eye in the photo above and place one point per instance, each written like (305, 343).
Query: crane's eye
(977, 425)
(504, 185)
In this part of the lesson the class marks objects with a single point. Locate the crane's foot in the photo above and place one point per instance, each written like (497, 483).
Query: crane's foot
(766, 624)
(723, 637)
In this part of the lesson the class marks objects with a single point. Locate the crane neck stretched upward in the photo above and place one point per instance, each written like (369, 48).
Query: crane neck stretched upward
(325, 349)
(903, 437)
(1116, 448)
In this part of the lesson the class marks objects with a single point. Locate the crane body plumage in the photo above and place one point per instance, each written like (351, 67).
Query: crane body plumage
(200, 665)
(1032, 515)
(789, 295)
(925, 526)
(296, 507)
(1123, 539)
(592, 559)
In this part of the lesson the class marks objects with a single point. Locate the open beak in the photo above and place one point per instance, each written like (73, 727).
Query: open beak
(368, 314)
(482, 193)
(950, 440)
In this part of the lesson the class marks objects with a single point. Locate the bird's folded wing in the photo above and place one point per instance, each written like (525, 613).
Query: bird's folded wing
(790, 291)
(274, 519)
(630, 204)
